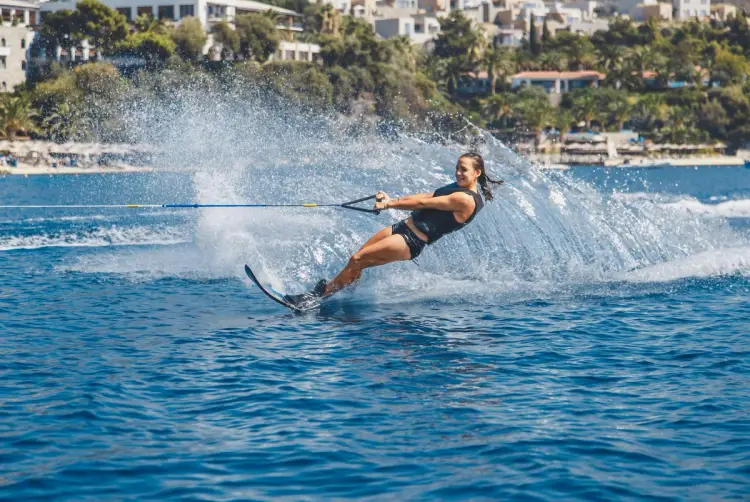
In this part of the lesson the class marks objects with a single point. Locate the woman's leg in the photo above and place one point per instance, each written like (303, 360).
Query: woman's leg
(379, 236)
(385, 250)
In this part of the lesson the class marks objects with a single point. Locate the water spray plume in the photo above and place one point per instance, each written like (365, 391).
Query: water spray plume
(545, 231)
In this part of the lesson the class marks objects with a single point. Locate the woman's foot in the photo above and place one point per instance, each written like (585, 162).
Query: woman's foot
(311, 296)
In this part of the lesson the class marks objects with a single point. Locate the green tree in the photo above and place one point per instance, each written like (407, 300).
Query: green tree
(535, 111)
(98, 79)
(499, 64)
(62, 122)
(546, 35)
(728, 68)
(458, 45)
(146, 23)
(16, 116)
(614, 106)
(563, 119)
(498, 108)
(534, 47)
(102, 26)
(189, 39)
(552, 61)
(153, 47)
(713, 118)
(651, 112)
(583, 103)
(59, 29)
(227, 39)
(259, 37)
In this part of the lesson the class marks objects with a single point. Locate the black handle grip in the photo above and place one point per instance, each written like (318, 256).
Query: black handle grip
(348, 205)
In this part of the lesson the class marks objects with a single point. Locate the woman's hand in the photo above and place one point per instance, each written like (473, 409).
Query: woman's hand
(381, 200)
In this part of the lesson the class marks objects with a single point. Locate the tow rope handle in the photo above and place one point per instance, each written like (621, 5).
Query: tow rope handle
(349, 205)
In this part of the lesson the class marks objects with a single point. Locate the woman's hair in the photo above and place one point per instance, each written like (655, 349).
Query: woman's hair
(483, 180)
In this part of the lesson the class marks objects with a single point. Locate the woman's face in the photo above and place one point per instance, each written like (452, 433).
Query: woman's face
(466, 173)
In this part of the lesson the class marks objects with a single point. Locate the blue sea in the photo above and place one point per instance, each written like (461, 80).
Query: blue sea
(588, 338)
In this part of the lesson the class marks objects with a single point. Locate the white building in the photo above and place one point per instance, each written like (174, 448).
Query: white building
(420, 28)
(685, 9)
(509, 37)
(18, 17)
(589, 27)
(557, 82)
(587, 7)
(566, 15)
(209, 13)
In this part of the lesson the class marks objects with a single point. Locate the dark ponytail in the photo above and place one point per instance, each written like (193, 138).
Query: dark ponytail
(483, 180)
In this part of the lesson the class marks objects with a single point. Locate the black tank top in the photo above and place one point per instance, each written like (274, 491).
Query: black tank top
(435, 223)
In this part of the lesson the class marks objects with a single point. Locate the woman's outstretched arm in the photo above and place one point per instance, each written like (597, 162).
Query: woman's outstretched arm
(454, 202)
(415, 196)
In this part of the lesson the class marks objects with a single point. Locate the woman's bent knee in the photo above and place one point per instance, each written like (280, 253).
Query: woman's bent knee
(355, 260)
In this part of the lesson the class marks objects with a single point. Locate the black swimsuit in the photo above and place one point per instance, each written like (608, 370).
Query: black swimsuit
(435, 223)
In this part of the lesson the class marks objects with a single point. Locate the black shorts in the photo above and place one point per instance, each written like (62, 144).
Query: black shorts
(416, 245)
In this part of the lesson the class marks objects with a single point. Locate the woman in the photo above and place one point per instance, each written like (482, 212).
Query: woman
(448, 209)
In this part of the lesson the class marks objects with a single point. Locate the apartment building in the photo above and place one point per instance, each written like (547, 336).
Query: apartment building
(685, 9)
(209, 13)
(16, 34)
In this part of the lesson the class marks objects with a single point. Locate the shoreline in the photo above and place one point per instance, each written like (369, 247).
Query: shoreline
(551, 163)
(35, 171)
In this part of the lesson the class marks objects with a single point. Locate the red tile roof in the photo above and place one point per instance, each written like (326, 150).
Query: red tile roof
(564, 75)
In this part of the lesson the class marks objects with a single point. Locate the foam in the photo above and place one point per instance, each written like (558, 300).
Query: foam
(728, 209)
(713, 263)
(99, 237)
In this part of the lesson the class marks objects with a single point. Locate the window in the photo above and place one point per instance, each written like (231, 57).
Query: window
(23, 43)
(125, 11)
(166, 12)
(32, 17)
(146, 11)
(187, 10)
(407, 28)
(5, 87)
(290, 55)
(2, 43)
(23, 65)
(3, 63)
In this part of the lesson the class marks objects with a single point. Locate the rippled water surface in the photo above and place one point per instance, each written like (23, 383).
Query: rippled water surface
(138, 363)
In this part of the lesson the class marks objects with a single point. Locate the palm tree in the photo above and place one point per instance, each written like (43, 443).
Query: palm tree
(611, 60)
(274, 16)
(16, 115)
(498, 108)
(499, 63)
(584, 105)
(61, 123)
(552, 61)
(562, 121)
(621, 109)
(651, 111)
(536, 112)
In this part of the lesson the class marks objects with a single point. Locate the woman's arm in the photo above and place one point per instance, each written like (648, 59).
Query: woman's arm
(454, 202)
(384, 196)
(417, 196)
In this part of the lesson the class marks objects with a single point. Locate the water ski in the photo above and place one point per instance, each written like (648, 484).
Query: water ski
(279, 297)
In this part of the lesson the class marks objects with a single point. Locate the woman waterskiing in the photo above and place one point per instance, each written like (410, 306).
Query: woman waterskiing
(434, 215)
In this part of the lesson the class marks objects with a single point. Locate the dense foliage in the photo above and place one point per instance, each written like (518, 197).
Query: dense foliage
(679, 83)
